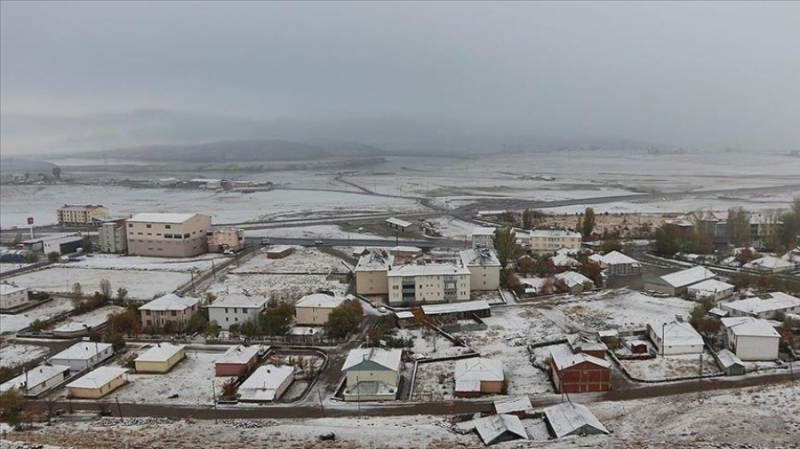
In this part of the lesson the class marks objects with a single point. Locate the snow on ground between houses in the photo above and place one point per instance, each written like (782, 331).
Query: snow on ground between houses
(280, 286)
(116, 262)
(14, 354)
(671, 366)
(624, 309)
(95, 318)
(6, 267)
(302, 260)
(312, 232)
(435, 381)
(50, 309)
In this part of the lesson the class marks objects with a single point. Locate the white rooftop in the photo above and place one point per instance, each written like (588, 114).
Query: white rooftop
(750, 327)
(479, 257)
(7, 289)
(511, 405)
(573, 278)
(454, 307)
(617, 258)
(728, 359)
(83, 350)
(564, 358)
(153, 217)
(469, 373)
(278, 249)
(239, 354)
(563, 260)
(554, 233)
(770, 262)
(754, 306)
(404, 315)
(712, 286)
(36, 376)
(569, 418)
(387, 358)
(677, 334)
(83, 207)
(436, 269)
(98, 378)
(320, 300)
(377, 260)
(249, 302)
(688, 277)
(398, 222)
(406, 249)
(170, 301)
(483, 230)
(263, 384)
(161, 352)
(491, 428)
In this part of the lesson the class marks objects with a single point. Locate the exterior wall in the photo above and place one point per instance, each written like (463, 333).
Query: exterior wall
(80, 216)
(228, 316)
(716, 296)
(621, 269)
(60, 247)
(159, 318)
(541, 244)
(482, 241)
(491, 386)
(427, 288)
(279, 255)
(160, 366)
(234, 369)
(49, 384)
(221, 240)
(13, 299)
(655, 337)
(484, 278)
(666, 289)
(372, 282)
(312, 316)
(113, 238)
(185, 239)
(80, 364)
(750, 348)
(388, 376)
(96, 393)
(582, 378)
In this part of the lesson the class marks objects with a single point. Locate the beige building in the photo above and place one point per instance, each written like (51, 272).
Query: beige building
(170, 308)
(548, 241)
(160, 358)
(113, 237)
(80, 215)
(411, 284)
(168, 235)
(220, 240)
(371, 272)
(97, 384)
(484, 268)
(313, 310)
(372, 374)
(12, 296)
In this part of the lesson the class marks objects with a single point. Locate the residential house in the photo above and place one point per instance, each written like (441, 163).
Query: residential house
(170, 310)
(678, 283)
(80, 215)
(371, 273)
(548, 241)
(372, 374)
(586, 344)
(97, 383)
(769, 264)
(730, 364)
(235, 309)
(237, 360)
(168, 235)
(711, 288)
(160, 358)
(477, 376)
(570, 418)
(483, 237)
(766, 307)
(751, 338)
(500, 428)
(484, 268)
(423, 284)
(12, 296)
(573, 282)
(36, 381)
(675, 338)
(617, 264)
(518, 406)
(220, 240)
(313, 310)
(578, 373)
(83, 355)
(402, 225)
(113, 236)
(266, 384)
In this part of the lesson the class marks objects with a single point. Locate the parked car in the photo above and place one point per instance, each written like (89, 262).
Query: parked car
(318, 242)
(265, 242)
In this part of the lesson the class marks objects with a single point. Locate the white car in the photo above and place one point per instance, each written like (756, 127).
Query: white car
(318, 242)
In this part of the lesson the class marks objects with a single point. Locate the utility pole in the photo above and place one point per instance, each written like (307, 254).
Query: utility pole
(700, 379)
(319, 392)
(119, 408)
(214, 398)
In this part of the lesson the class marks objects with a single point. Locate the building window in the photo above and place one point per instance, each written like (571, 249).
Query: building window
(149, 226)
(168, 226)
(130, 225)
(174, 313)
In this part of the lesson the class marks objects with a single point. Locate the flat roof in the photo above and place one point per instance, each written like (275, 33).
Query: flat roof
(98, 378)
(554, 233)
(84, 207)
(238, 355)
(279, 249)
(483, 230)
(377, 260)
(479, 257)
(454, 307)
(398, 222)
(437, 269)
(250, 302)
(511, 405)
(161, 352)
(155, 217)
(170, 301)
(83, 350)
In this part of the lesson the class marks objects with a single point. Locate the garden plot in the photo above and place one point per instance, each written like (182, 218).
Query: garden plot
(13, 354)
(140, 284)
(116, 262)
(190, 380)
(671, 366)
(434, 382)
(428, 343)
(12, 323)
(624, 309)
(302, 260)
(93, 319)
(280, 286)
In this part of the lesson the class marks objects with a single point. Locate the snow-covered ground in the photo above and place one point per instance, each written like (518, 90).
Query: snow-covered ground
(453, 228)
(302, 260)
(670, 367)
(434, 382)
(281, 286)
(624, 309)
(426, 344)
(12, 323)
(15, 354)
(117, 262)
(92, 319)
(6, 267)
(140, 284)
(312, 232)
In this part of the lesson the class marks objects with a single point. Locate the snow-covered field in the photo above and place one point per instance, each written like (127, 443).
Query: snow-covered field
(140, 284)
(287, 286)
(15, 354)
(433, 347)
(624, 309)
(434, 382)
(12, 323)
(312, 232)
(117, 262)
(669, 367)
(453, 228)
(92, 319)
(302, 260)
(6, 267)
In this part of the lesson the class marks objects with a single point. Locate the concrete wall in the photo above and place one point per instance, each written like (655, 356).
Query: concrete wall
(484, 278)
(159, 239)
(750, 348)
(429, 288)
(372, 282)
(158, 318)
(234, 369)
(161, 366)
(113, 238)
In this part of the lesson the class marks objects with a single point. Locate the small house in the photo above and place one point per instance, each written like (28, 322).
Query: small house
(500, 428)
(711, 289)
(160, 358)
(578, 373)
(313, 310)
(372, 374)
(569, 418)
(237, 360)
(279, 252)
(83, 355)
(36, 381)
(266, 384)
(477, 376)
(730, 364)
(751, 338)
(97, 383)
(675, 338)
(402, 225)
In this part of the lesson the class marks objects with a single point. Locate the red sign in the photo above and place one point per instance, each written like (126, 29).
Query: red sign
(30, 220)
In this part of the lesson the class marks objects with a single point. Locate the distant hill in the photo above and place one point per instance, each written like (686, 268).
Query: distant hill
(15, 165)
(238, 151)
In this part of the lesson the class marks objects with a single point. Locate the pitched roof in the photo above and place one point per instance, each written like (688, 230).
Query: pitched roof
(572, 278)
(152, 217)
(777, 301)
(387, 358)
(251, 302)
(771, 262)
(564, 358)
(712, 285)
(569, 418)
(479, 257)
(161, 352)
(728, 359)
(83, 350)
(563, 260)
(377, 260)
(7, 289)
(478, 369)
(34, 377)
(320, 300)
(687, 277)
(98, 378)
(263, 384)
(170, 301)
(750, 327)
(491, 428)
(617, 258)
(238, 354)
(677, 334)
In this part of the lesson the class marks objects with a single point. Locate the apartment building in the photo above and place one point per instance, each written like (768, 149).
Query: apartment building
(170, 308)
(484, 268)
(113, 237)
(435, 283)
(80, 215)
(236, 309)
(371, 272)
(548, 241)
(168, 235)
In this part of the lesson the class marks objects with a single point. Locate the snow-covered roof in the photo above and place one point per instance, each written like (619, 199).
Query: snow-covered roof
(677, 333)
(398, 222)
(483, 230)
(455, 307)
(36, 376)
(564, 358)
(64, 239)
(572, 278)
(554, 233)
(263, 384)
(170, 301)
(512, 405)
(750, 327)
(83, 350)
(728, 359)
(435, 269)
(248, 302)
(279, 249)
(770, 262)
(716, 311)
(238, 355)
(205, 180)
(479, 257)
(98, 378)
(377, 260)
(563, 260)
(688, 277)
(471, 372)
(7, 289)
(777, 301)
(320, 300)
(152, 217)
(405, 249)
(79, 207)
(711, 286)
(579, 342)
(161, 352)
(404, 315)
(569, 418)
(491, 428)
(616, 258)
(387, 358)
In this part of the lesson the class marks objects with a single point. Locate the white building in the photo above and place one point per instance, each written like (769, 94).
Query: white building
(751, 338)
(113, 237)
(678, 283)
(484, 268)
(711, 288)
(770, 264)
(483, 237)
(432, 283)
(574, 281)
(766, 308)
(548, 241)
(168, 235)
(62, 245)
(372, 374)
(38, 380)
(82, 355)
(266, 384)
(617, 264)
(12, 296)
(235, 309)
(675, 338)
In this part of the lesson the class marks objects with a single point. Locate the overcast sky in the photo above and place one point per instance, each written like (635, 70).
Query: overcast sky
(678, 73)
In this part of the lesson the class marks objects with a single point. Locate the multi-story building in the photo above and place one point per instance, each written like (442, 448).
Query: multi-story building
(170, 308)
(313, 310)
(371, 272)
(220, 240)
(80, 215)
(483, 237)
(113, 237)
(232, 310)
(548, 241)
(484, 268)
(168, 235)
(12, 296)
(435, 283)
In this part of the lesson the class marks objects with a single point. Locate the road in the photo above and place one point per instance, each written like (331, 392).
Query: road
(327, 242)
